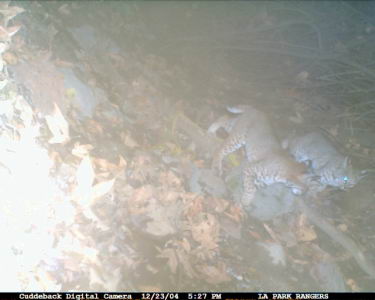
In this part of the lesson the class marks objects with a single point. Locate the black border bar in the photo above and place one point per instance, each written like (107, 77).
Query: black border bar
(182, 296)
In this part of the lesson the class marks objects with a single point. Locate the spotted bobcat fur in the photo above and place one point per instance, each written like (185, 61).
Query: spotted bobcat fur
(267, 162)
(330, 166)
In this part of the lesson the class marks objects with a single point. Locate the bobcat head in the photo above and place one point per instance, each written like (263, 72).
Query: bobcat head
(344, 176)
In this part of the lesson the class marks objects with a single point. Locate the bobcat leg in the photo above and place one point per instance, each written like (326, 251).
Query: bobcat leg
(249, 187)
(229, 146)
(297, 185)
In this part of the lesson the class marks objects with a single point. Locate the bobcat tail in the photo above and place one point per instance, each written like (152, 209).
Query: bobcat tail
(238, 109)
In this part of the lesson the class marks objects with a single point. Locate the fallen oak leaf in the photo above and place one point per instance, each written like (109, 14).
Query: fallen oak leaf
(58, 126)
(305, 232)
(185, 245)
(104, 165)
(128, 140)
(3, 48)
(10, 58)
(81, 151)
(3, 84)
(101, 189)
(169, 197)
(236, 213)
(170, 178)
(219, 205)
(122, 164)
(162, 219)
(353, 285)
(84, 194)
(194, 205)
(206, 231)
(7, 33)
(85, 176)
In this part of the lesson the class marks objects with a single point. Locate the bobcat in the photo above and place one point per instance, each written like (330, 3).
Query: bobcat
(267, 162)
(330, 166)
